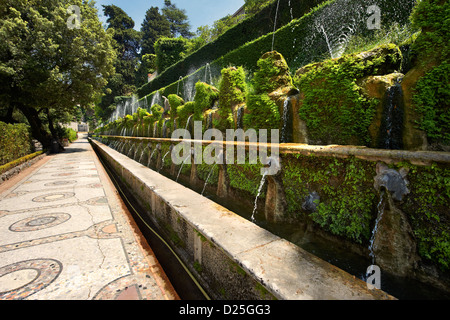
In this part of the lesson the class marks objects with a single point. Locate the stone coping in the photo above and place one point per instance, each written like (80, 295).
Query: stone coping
(389, 156)
(286, 270)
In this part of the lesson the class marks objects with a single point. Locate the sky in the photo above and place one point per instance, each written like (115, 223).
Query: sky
(199, 12)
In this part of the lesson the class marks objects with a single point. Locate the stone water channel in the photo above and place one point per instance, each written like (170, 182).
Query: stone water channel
(267, 211)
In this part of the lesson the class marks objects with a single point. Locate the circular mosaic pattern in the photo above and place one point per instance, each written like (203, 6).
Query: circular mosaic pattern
(54, 197)
(100, 201)
(65, 174)
(23, 279)
(40, 222)
(60, 183)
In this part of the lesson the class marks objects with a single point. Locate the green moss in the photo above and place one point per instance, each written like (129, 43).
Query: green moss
(431, 16)
(246, 177)
(427, 207)
(263, 113)
(205, 96)
(273, 73)
(232, 92)
(184, 112)
(345, 189)
(432, 101)
(157, 112)
(19, 161)
(174, 101)
(198, 267)
(432, 51)
(334, 107)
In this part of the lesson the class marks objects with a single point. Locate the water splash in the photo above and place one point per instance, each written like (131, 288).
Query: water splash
(263, 181)
(151, 156)
(286, 131)
(207, 179)
(181, 168)
(157, 99)
(381, 208)
(208, 71)
(163, 159)
(180, 80)
(392, 125)
(275, 24)
(240, 118)
(189, 124)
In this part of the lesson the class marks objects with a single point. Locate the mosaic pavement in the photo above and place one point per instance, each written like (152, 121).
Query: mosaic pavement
(64, 235)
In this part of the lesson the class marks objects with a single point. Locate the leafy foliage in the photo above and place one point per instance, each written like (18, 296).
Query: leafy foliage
(44, 64)
(432, 49)
(334, 108)
(155, 26)
(15, 142)
(168, 52)
(178, 20)
(432, 100)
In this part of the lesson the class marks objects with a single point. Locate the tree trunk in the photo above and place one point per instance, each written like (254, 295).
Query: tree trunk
(37, 129)
(53, 130)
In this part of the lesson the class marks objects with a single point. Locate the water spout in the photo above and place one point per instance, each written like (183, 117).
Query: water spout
(261, 185)
(181, 168)
(381, 208)
(275, 24)
(287, 130)
(208, 70)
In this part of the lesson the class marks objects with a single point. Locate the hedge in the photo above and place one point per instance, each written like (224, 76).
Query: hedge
(301, 42)
(249, 29)
(15, 142)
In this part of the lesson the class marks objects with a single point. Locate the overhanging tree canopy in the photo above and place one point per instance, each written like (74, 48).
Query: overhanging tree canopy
(44, 64)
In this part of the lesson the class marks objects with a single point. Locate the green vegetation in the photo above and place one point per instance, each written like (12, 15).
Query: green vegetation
(54, 68)
(427, 208)
(175, 102)
(242, 35)
(432, 53)
(231, 94)
(432, 100)
(345, 190)
(272, 74)
(334, 107)
(15, 142)
(18, 162)
(205, 96)
(168, 52)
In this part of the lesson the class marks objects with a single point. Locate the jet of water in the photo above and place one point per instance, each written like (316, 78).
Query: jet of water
(263, 181)
(275, 25)
(181, 168)
(381, 207)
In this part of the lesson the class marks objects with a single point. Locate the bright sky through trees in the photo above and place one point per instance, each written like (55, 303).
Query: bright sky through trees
(200, 12)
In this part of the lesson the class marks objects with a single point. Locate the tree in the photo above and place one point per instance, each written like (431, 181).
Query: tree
(179, 24)
(146, 67)
(254, 6)
(155, 26)
(127, 46)
(48, 67)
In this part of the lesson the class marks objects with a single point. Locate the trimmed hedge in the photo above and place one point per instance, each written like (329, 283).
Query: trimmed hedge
(15, 142)
(168, 52)
(249, 29)
(301, 42)
(18, 162)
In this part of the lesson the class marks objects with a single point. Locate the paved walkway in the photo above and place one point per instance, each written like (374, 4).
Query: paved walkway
(66, 235)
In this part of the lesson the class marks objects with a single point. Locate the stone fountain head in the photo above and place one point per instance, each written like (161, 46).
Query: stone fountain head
(392, 180)
(271, 166)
